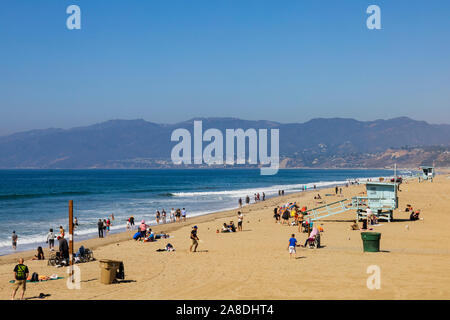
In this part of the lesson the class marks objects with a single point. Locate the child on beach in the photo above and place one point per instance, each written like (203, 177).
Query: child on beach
(51, 240)
(292, 245)
(240, 219)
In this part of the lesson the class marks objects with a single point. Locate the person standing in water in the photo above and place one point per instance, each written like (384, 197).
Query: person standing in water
(14, 238)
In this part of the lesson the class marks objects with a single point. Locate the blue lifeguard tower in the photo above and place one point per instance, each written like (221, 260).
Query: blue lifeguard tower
(427, 172)
(381, 198)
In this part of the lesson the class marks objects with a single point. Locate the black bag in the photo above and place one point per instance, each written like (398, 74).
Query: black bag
(34, 277)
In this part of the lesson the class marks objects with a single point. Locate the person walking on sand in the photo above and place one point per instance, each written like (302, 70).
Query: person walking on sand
(164, 216)
(183, 214)
(264, 196)
(132, 222)
(240, 202)
(194, 239)
(14, 238)
(240, 219)
(20, 275)
(51, 240)
(247, 200)
(292, 245)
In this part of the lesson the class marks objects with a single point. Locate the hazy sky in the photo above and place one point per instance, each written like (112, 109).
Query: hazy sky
(168, 61)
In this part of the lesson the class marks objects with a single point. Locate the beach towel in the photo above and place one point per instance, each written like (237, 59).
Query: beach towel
(57, 278)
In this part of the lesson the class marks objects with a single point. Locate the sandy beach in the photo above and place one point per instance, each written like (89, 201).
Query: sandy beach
(255, 264)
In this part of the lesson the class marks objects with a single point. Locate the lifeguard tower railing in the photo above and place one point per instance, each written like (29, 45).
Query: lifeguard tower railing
(427, 172)
(328, 210)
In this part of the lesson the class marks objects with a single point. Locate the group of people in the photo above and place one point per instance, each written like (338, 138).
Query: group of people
(257, 197)
(146, 234)
(414, 214)
(231, 226)
(104, 226)
(284, 214)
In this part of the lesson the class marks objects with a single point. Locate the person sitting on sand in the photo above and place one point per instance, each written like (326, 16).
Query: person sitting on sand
(414, 215)
(225, 228)
(355, 225)
(232, 226)
(39, 255)
(312, 236)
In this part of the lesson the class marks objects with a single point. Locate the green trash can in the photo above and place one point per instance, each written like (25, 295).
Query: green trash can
(371, 241)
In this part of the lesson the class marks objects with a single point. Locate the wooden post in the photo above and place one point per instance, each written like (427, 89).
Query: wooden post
(71, 239)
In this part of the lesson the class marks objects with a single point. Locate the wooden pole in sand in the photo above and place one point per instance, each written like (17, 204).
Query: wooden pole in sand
(71, 239)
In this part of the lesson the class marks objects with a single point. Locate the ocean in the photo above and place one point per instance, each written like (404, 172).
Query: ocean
(32, 201)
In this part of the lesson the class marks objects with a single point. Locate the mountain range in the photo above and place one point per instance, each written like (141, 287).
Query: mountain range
(142, 144)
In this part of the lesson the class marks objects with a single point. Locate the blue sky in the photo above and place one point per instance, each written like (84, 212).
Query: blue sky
(168, 61)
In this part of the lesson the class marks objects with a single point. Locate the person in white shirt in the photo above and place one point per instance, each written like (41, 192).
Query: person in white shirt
(172, 215)
(51, 240)
(240, 219)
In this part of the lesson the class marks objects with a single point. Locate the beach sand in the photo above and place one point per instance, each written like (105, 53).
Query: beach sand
(255, 264)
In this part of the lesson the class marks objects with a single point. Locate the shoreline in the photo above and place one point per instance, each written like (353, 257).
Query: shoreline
(115, 233)
(242, 265)
(121, 236)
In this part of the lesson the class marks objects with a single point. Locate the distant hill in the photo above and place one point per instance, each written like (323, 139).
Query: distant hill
(143, 144)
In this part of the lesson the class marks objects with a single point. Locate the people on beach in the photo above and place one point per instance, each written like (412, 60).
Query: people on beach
(178, 215)
(225, 228)
(39, 255)
(240, 220)
(104, 227)
(263, 196)
(282, 192)
(21, 273)
(51, 240)
(164, 216)
(61, 232)
(128, 224)
(143, 229)
(355, 225)
(75, 222)
(14, 239)
(247, 200)
(312, 236)
(414, 215)
(183, 214)
(100, 228)
(194, 239)
(276, 214)
(292, 245)
(172, 215)
(240, 202)
(108, 225)
(158, 216)
(132, 222)
(63, 249)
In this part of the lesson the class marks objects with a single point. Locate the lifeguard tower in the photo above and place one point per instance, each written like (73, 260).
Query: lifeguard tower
(427, 172)
(381, 198)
